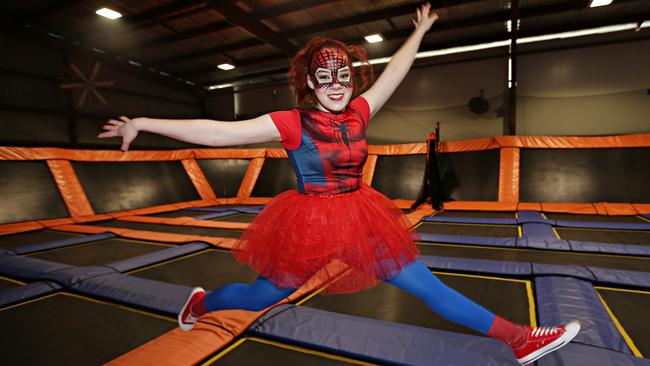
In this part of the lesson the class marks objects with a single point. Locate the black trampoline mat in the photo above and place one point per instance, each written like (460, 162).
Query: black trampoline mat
(236, 218)
(28, 192)
(605, 236)
(631, 309)
(180, 213)
(99, 252)
(209, 269)
(504, 231)
(33, 237)
(174, 229)
(118, 186)
(6, 283)
(385, 302)
(537, 256)
(594, 218)
(224, 175)
(477, 214)
(68, 330)
(277, 175)
(399, 176)
(252, 352)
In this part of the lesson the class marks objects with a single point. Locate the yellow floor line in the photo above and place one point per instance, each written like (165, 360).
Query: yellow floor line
(620, 328)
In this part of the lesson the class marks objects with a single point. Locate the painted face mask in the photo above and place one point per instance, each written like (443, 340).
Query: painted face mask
(331, 66)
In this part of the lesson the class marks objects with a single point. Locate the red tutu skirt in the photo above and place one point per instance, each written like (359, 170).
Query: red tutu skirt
(296, 235)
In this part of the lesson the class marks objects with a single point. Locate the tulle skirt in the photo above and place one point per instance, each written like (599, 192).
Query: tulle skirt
(361, 236)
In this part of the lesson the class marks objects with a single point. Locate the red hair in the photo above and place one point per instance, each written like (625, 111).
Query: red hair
(299, 70)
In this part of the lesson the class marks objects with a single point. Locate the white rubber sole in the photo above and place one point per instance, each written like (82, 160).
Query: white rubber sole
(181, 324)
(572, 329)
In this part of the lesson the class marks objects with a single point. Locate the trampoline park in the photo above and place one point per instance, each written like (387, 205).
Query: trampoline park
(94, 280)
(100, 248)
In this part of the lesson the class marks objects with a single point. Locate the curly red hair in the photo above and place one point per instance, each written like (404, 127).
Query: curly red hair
(299, 70)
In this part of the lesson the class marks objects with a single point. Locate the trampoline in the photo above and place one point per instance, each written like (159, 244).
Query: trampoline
(102, 281)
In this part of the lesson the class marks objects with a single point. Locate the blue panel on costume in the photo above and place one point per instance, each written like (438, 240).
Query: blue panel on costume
(379, 341)
(25, 249)
(470, 220)
(468, 240)
(18, 294)
(158, 256)
(540, 269)
(526, 216)
(604, 225)
(629, 249)
(307, 164)
(580, 354)
(476, 265)
(562, 299)
(621, 277)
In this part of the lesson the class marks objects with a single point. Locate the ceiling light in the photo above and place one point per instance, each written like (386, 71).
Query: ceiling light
(226, 66)
(597, 3)
(374, 38)
(108, 13)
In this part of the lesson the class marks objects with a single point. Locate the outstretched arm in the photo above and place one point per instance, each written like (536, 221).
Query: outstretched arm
(195, 131)
(401, 61)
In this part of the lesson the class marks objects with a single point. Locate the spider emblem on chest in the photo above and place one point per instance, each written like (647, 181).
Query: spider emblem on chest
(341, 134)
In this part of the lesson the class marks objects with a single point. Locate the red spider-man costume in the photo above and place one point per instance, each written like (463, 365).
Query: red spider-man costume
(333, 217)
(326, 150)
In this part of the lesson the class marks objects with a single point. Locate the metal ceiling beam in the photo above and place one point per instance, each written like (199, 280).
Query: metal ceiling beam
(181, 36)
(251, 23)
(210, 51)
(364, 18)
(268, 13)
(164, 13)
(49, 9)
(477, 21)
(34, 34)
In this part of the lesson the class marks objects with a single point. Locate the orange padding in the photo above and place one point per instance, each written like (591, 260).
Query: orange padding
(211, 333)
(420, 212)
(599, 208)
(401, 149)
(70, 188)
(187, 221)
(13, 228)
(198, 179)
(250, 178)
(369, 169)
(509, 175)
(225, 243)
(546, 142)
(228, 153)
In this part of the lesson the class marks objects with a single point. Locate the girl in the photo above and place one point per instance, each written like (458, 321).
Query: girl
(325, 222)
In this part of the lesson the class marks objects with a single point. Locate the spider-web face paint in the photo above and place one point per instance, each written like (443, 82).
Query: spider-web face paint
(329, 66)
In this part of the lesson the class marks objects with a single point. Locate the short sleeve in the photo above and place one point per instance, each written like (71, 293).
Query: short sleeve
(360, 104)
(288, 124)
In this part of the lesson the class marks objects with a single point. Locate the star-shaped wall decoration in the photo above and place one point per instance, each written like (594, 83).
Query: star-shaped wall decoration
(88, 84)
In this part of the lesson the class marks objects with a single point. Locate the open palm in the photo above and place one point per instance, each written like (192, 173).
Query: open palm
(122, 127)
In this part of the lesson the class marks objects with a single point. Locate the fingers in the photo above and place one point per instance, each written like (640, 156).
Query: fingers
(107, 134)
(418, 14)
(114, 122)
(414, 22)
(125, 145)
(125, 119)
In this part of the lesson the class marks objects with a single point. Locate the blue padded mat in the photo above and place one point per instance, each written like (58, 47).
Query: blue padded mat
(562, 299)
(29, 291)
(379, 341)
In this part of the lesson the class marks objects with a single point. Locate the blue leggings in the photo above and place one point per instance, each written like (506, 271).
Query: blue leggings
(415, 279)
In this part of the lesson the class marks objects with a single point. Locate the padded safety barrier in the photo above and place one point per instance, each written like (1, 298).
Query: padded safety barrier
(580, 354)
(30, 248)
(379, 341)
(156, 257)
(477, 265)
(562, 299)
(29, 291)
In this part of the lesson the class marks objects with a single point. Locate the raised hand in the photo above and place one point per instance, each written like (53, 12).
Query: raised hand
(123, 127)
(424, 18)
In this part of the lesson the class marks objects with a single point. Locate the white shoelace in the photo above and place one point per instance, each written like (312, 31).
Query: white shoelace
(544, 331)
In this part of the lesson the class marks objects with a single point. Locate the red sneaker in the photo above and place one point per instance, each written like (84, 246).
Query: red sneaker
(541, 341)
(186, 318)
